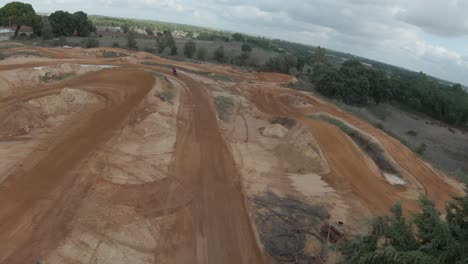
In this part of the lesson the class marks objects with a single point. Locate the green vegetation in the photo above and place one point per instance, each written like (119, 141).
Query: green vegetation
(284, 121)
(66, 24)
(127, 23)
(190, 48)
(201, 53)
(357, 84)
(373, 150)
(48, 77)
(166, 94)
(112, 54)
(224, 106)
(218, 55)
(421, 149)
(166, 40)
(131, 42)
(462, 176)
(282, 63)
(20, 14)
(246, 48)
(90, 42)
(174, 50)
(425, 238)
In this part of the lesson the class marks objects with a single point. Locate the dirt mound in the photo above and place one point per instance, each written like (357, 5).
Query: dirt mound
(275, 130)
(301, 153)
(19, 119)
(64, 102)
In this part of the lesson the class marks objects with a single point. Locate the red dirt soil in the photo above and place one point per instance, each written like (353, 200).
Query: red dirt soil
(203, 190)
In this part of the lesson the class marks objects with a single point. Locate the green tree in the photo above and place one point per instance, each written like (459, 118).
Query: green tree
(281, 63)
(91, 42)
(18, 14)
(174, 50)
(83, 25)
(201, 53)
(125, 28)
(246, 48)
(46, 31)
(190, 48)
(218, 54)
(131, 41)
(63, 23)
(426, 239)
(169, 39)
(238, 37)
(149, 31)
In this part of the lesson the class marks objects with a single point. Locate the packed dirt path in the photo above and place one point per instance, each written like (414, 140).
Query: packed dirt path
(42, 190)
(218, 229)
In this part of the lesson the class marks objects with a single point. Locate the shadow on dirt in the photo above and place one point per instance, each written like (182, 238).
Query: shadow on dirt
(290, 229)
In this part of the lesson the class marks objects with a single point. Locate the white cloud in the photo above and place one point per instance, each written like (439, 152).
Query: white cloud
(393, 31)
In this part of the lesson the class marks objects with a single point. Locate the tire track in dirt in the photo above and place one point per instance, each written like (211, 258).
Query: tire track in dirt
(215, 226)
(41, 197)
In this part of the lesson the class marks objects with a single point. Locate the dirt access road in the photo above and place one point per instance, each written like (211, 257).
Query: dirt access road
(116, 161)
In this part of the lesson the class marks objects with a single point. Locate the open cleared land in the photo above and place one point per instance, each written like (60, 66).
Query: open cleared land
(115, 160)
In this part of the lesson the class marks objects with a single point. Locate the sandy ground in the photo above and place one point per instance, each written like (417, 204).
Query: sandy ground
(129, 164)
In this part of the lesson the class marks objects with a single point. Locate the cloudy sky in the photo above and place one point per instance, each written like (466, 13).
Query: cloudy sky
(422, 35)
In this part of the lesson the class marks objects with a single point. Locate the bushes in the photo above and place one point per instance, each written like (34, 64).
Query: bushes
(281, 63)
(131, 42)
(218, 54)
(190, 48)
(425, 238)
(90, 42)
(201, 53)
(224, 106)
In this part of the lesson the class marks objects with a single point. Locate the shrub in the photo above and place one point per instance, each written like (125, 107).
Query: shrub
(115, 45)
(218, 54)
(246, 48)
(201, 53)
(166, 95)
(90, 42)
(174, 50)
(281, 63)
(224, 106)
(412, 133)
(426, 238)
(284, 121)
(131, 42)
(421, 149)
(190, 48)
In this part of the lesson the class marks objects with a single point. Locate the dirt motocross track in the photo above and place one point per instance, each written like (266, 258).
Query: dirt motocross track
(117, 161)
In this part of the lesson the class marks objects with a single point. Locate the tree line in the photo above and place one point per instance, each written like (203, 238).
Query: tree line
(357, 84)
(57, 24)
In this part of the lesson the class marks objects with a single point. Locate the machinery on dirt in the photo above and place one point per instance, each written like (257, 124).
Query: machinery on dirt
(174, 71)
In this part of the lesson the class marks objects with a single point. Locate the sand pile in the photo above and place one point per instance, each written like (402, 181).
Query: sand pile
(19, 120)
(275, 130)
(64, 102)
